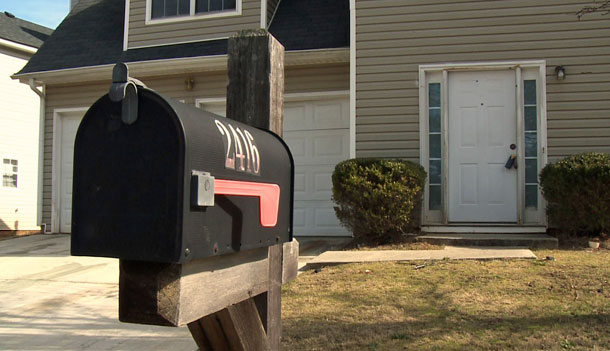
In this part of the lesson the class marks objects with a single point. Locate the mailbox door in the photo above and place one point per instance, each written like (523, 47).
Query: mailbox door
(127, 190)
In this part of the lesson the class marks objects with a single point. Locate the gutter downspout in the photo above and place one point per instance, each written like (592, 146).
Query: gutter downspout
(42, 94)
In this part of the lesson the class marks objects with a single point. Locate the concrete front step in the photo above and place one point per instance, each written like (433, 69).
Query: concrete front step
(534, 241)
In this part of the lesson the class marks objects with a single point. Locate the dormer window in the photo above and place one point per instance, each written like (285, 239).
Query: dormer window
(167, 9)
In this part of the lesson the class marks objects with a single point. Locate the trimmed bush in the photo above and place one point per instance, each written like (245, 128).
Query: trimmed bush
(375, 197)
(577, 190)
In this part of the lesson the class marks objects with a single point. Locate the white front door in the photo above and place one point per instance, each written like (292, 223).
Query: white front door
(482, 128)
(69, 126)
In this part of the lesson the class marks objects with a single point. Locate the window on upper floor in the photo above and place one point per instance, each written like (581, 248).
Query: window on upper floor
(9, 173)
(175, 8)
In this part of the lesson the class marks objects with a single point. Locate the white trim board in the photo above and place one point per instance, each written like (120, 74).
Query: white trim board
(56, 163)
(126, 26)
(264, 14)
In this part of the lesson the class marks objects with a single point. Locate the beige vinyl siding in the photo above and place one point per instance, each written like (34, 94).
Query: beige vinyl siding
(19, 121)
(211, 85)
(394, 38)
(198, 29)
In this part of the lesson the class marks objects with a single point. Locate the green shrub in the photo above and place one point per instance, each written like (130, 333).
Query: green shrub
(577, 190)
(376, 197)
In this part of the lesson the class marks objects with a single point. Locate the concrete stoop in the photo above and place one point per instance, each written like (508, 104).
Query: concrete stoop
(533, 241)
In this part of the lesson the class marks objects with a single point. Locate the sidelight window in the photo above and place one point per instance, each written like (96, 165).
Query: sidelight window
(531, 143)
(434, 138)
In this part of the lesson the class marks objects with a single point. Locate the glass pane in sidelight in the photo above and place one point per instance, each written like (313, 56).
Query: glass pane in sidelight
(531, 118)
(434, 116)
(435, 171)
(435, 197)
(531, 195)
(531, 144)
(435, 146)
(434, 95)
(529, 87)
(531, 171)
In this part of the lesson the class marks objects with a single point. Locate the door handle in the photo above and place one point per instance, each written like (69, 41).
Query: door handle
(511, 162)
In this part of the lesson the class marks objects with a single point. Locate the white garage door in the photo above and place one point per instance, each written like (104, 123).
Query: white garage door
(317, 133)
(69, 126)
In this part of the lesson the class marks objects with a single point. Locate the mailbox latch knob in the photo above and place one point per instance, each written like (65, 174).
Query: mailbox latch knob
(202, 188)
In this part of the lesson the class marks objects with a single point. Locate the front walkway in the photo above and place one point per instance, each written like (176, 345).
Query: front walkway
(50, 300)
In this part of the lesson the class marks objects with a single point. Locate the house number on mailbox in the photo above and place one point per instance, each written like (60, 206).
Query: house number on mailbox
(241, 151)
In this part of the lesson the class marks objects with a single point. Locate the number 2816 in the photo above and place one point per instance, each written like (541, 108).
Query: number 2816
(241, 152)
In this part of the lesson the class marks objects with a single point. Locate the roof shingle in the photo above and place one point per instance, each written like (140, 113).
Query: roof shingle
(92, 35)
(21, 31)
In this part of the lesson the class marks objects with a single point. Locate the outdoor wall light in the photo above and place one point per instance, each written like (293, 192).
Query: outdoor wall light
(189, 83)
(560, 72)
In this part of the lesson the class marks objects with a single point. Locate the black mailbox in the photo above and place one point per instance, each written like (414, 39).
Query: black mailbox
(158, 180)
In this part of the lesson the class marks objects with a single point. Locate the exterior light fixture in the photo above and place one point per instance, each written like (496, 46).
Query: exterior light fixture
(189, 83)
(560, 72)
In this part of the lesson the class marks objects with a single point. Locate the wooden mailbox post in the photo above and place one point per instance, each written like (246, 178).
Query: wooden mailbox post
(232, 301)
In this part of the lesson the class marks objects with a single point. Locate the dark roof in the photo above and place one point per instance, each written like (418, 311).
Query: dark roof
(312, 24)
(21, 31)
(92, 35)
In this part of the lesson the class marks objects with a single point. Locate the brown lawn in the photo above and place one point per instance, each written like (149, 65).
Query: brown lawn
(560, 304)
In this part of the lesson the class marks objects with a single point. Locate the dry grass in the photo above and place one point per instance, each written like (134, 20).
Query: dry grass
(561, 304)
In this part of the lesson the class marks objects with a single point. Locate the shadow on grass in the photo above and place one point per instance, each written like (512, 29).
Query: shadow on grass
(467, 332)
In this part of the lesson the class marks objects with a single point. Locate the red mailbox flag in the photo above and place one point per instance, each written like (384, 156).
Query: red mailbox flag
(268, 194)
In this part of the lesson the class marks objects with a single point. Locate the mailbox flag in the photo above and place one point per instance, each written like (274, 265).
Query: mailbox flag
(268, 194)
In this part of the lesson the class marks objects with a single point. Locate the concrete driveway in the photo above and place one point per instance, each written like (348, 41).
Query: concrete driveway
(50, 300)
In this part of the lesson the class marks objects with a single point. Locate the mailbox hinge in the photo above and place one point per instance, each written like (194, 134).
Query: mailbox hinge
(125, 89)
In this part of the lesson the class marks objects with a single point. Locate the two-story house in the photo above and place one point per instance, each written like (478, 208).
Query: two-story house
(459, 86)
(19, 128)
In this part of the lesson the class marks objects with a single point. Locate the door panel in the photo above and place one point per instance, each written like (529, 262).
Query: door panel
(482, 126)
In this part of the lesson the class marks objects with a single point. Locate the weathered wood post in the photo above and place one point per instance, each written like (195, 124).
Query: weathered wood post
(216, 267)
(255, 96)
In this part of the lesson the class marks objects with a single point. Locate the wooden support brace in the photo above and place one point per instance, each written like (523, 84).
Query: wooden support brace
(237, 327)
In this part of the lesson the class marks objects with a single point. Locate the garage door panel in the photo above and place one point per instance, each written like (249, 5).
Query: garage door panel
(297, 145)
(310, 115)
(318, 147)
(296, 116)
(320, 219)
(314, 183)
(299, 218)
(300, 185)
(331, 114)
